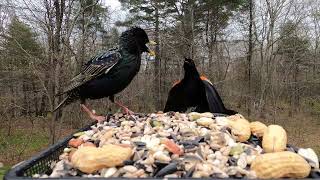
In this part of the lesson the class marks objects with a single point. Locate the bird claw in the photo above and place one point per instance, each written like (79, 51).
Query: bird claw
(98, 118)
(128, 112)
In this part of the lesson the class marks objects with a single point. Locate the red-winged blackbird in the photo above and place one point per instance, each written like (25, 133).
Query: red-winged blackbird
(195, 93)
(108, 73)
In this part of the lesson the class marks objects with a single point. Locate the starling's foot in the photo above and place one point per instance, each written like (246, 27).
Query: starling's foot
(125, 109)
(92, 115)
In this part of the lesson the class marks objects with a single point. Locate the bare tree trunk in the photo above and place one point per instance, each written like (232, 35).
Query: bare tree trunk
(83, 37)
(249, 57)
(157, 64)
(25, 94)
(191, 39)
(35, 99)
(54, 37)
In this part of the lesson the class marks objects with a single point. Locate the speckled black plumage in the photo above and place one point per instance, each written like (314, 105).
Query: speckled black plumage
(193, 93)
(110, 72)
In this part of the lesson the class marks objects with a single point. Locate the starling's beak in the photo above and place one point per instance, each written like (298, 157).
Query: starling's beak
(151, 43)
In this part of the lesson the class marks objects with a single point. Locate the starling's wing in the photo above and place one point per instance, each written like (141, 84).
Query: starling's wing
(214, 100)
(100, 64)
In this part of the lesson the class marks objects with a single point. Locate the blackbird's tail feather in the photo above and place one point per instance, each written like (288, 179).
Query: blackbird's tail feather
(231, 112)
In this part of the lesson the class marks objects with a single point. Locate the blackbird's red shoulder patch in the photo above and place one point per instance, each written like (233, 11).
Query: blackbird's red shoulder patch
(204, 78)
(175, 83)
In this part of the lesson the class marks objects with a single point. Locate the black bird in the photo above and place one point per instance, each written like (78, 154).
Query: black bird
(196, 93)
(108, 73)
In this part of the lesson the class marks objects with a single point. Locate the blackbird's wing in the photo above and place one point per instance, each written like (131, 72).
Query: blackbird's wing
(100, 64)
(214, 100)
(175, 101)
(170, 104)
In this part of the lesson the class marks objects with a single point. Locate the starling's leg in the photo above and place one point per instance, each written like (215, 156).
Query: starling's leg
(125, 109)
(91, 114)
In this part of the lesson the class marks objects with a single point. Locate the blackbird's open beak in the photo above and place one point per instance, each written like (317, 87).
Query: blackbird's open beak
(151, 52)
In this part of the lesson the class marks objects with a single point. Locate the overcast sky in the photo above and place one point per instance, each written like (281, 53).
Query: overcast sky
(112, 3)
(115, 10)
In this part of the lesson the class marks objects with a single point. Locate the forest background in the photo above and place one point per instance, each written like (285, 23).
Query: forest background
(263, 56)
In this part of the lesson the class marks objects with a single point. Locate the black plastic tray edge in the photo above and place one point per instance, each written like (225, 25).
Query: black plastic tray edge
(16, 172)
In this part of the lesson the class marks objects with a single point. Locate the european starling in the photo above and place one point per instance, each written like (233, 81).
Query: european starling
(196, 93)
(108, 73)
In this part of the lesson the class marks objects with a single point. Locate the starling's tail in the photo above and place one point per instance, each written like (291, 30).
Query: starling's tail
(60, 93)
(62, 103)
